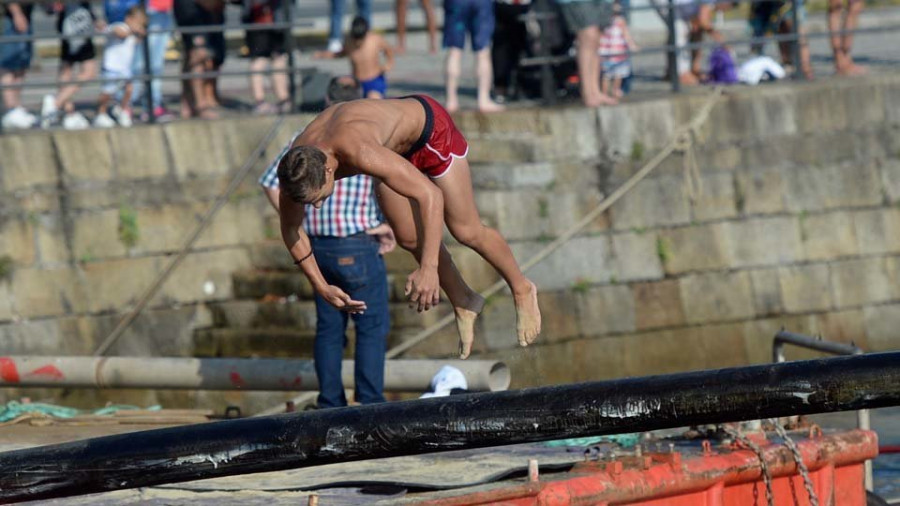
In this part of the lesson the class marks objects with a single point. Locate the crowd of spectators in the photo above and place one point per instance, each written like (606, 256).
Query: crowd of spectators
(594, 31)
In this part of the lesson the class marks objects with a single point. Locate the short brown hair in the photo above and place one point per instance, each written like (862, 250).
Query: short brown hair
(301, 172)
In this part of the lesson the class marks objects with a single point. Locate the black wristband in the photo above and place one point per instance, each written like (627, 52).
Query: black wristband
(298, 262)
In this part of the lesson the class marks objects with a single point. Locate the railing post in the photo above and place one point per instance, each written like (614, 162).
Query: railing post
(548, 85)
(795, 47)
(289, 47)
(148, 73)
(672, 51)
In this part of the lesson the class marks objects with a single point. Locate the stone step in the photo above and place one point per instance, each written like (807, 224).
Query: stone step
(275, 342)
(301, 314)
(257, 284)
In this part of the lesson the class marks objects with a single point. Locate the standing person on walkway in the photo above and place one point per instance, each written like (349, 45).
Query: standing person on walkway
(15, 58)
(267, 50)
(76, 23)
(203, 52)
(118, 56)
(159, 25)
(400, 8)
(510, 40)
(844, 18)
(475, 18)
(349, 237)
(586, 20)
(418, 156)
(335, 37)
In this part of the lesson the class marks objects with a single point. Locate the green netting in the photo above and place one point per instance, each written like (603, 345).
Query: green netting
(15, 409)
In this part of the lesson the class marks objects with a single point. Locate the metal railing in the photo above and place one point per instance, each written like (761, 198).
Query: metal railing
(543, 13)
(146, 77)
(783, 338)
(540, 15)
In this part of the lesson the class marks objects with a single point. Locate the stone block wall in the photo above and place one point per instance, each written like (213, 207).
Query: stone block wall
(793, 222)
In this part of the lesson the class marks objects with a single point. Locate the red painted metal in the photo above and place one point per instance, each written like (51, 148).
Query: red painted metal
(889, 449)
(717, 477)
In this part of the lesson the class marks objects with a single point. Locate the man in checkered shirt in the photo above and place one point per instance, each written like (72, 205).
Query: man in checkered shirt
(348, 237)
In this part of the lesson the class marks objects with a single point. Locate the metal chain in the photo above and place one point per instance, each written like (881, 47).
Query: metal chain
(767, 475)
(801, 466)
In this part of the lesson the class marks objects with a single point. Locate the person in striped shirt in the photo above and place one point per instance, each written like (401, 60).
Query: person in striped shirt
(349, 237)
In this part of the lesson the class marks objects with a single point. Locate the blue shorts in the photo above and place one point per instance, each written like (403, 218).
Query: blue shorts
(378, 84)
(473, 16)
(14, 56)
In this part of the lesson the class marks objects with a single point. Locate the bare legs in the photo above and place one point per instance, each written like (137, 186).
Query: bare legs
(484, 71)
(400, 7)
(279, 81)
(87, 72)
(462, 219)
(451, 77)
(467, 303)
(842, 43)
(588, 41)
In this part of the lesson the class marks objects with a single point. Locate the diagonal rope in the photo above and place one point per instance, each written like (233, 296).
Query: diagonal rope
(220, 202)
(682, 139)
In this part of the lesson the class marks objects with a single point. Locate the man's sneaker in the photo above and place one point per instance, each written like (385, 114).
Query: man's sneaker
(75, 121)
(104, 121)
(18, 117)
(335, 46)
(49, 113)
(124, 117)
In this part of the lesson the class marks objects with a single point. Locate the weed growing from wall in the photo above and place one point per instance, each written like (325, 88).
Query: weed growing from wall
(6, 268)
(662, 250)
(128, 226)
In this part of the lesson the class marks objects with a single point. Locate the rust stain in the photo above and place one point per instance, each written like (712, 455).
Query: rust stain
(237, 380)
(8, 370)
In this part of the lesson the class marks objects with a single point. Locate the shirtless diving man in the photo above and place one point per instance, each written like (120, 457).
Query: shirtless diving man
(413, 149)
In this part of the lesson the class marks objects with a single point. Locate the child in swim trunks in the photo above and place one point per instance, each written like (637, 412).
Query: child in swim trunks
(365, 50)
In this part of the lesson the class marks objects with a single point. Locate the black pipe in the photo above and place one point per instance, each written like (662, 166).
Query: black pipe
(811, 343)
(450, 423)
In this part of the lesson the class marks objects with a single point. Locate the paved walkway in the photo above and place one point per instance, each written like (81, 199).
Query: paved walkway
(419, 71)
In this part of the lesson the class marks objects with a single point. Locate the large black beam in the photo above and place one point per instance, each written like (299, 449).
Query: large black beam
(450, 423)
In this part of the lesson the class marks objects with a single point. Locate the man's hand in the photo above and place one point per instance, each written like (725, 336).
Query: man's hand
(340, 300)
(423, 288)
(385, 236)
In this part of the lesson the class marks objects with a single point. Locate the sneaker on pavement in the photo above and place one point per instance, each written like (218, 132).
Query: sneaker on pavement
(335, 46)
(49, 112)
(18, 117)
(104, 121)
(75, 121)
(124, 118)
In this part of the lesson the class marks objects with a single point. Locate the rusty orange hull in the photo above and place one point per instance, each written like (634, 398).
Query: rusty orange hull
(716, 477)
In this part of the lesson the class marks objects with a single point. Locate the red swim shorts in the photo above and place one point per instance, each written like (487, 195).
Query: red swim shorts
(440, 142)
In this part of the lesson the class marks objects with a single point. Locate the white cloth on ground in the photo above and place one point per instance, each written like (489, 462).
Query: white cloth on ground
(446, 380)
(755, 69)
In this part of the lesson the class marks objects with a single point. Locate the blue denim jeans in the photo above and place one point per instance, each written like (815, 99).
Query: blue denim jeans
(363, 8)
(157, 43)
(353, 264)
(14, 56)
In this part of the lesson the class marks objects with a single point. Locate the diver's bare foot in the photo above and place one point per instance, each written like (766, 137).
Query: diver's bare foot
(491, 107)
(528, 315)
(465, 323)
